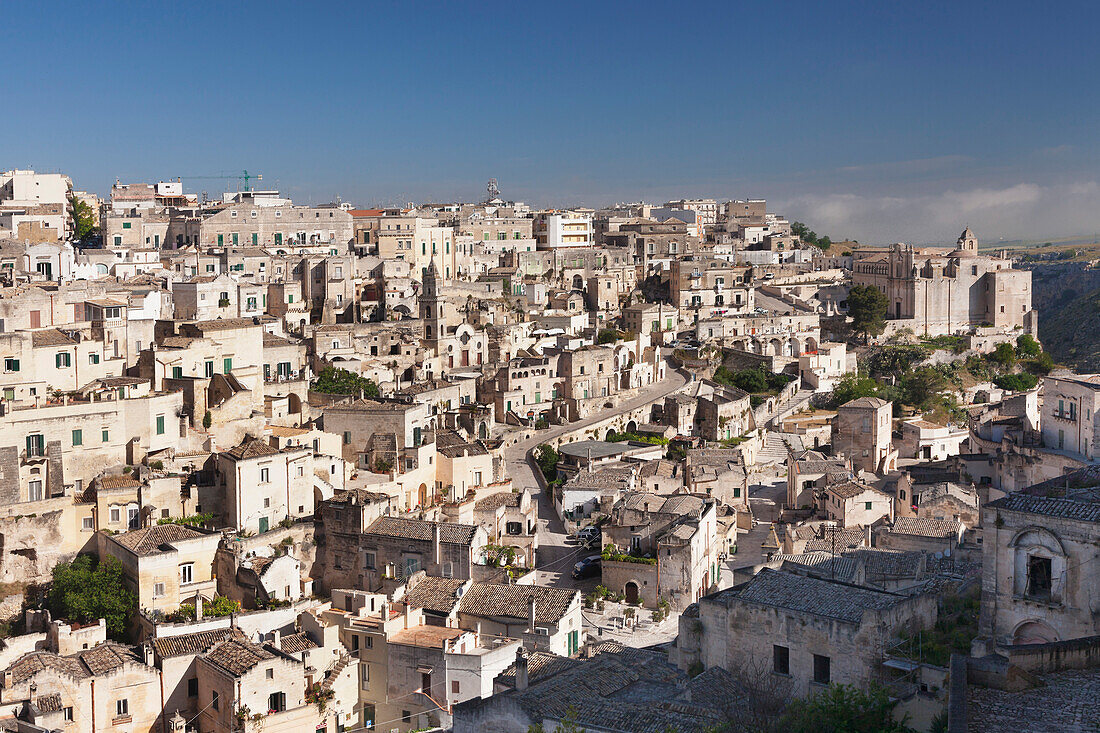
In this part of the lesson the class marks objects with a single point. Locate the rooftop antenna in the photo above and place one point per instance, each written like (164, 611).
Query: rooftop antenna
(492, 189)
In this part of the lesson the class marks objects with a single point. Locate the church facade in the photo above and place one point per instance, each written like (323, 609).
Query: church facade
(946, 293)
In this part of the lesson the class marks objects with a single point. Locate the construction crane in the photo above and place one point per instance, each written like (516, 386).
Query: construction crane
(243, 176)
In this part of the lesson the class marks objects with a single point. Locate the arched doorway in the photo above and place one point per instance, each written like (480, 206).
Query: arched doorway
(483, 431)
(1034, 632)
(610, 435)
(632, 427)
(423, 495)
(578, 282)
(631, 591)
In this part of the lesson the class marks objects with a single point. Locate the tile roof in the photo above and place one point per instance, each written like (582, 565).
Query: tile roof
(926, 527)
(512, 601)
(148, 541)
(417, 529)
(873, 402)
(879, 563)
(821, 564)
(850, 489)
(254, 448)
(296, 643)
(49, 703)
(813, 596)
(834, 539)
(223, 324)
(435, 594)
(118, 482)
(30, 664)
(496, 501)
(50, 337)
(107, 657)
(237, 656)
(1051, 506)
(185, 644)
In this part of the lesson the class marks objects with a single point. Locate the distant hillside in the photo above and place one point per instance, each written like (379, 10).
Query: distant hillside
(1070, 330)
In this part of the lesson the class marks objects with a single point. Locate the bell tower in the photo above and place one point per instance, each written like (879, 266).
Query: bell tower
(431, 306)
(967, 244)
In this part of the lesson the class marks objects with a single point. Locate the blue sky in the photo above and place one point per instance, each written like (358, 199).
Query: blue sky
(882, 121)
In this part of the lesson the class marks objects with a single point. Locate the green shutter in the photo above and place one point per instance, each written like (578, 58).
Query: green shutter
(106, 435)
(177, 372)
(255, 238)
(57, 360)
(78, 438)
(221, 239)
(160, 424)
(227, 365)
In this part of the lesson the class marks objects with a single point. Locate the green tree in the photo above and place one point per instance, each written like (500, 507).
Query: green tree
(332, 380)
(1027, 345)
(82, 218)
(547, 458)
(843, 709)
(607, 336)
(86, 590)
(1003, 354)
(867, 306)
(1016, 382)
(1042, 363)
(851, 387)
(921, 385)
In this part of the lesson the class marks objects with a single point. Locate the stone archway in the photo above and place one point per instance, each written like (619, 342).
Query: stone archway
(482, 431)
(632, 427)
(1034, 632)
(422, 495)
(632, 592)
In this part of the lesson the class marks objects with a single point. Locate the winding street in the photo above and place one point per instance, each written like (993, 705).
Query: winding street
(555, 556)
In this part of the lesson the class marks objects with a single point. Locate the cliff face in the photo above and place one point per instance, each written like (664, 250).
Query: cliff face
(1067, 296)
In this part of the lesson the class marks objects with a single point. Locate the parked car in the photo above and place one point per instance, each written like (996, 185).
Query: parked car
(589, 533)
(587, 567)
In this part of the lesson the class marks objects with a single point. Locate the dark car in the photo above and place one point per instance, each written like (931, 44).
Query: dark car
(587, 567)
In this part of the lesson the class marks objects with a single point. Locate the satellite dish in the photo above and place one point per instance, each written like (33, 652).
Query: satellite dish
(938, 555)
(947, 552)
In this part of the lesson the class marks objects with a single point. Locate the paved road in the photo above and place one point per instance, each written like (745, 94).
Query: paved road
(557, 555)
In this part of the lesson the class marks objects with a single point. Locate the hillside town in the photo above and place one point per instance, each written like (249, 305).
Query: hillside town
(483, 466)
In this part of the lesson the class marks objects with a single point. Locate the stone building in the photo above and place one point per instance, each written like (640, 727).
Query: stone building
(392, 547)
(1041, 562)
(862, 431)
(941, 293)
(809, 631)
(1069, 421)
(669, 548)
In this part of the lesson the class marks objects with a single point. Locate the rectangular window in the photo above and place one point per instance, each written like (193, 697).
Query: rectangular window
(208, 369)
(454, 687)
(187, 573)
(116, 514)
(11, 365)
(122, 707)
(221, 239)
(368, 560)
(106, 435)
(93, 358)
(821, 669)
(67, 714)
(127, 225)
(36, 446)
(177, 372)
(265, 475)
(347, 437)
(214, 703)
(158, 590)
(1038, 577)
(87, 524)
(781, 659)
(63, 360)
(193, 687)
(34, 491)
(867, 505)
(227, 365)
(160, 424)
(78, 438)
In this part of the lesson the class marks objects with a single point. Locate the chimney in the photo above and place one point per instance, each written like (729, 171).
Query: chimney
(384, 609)
(435, 542)
(198, 607)
(147, 651)
(531, 614)
(276, 635)
(521, 669)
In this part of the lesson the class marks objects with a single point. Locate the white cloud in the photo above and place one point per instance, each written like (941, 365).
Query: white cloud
(1020, 211)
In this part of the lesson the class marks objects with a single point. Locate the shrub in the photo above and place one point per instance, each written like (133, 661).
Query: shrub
(86, 590)
(1016, 382)
(1026, 345)
(332, 380)
(1003, 354)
